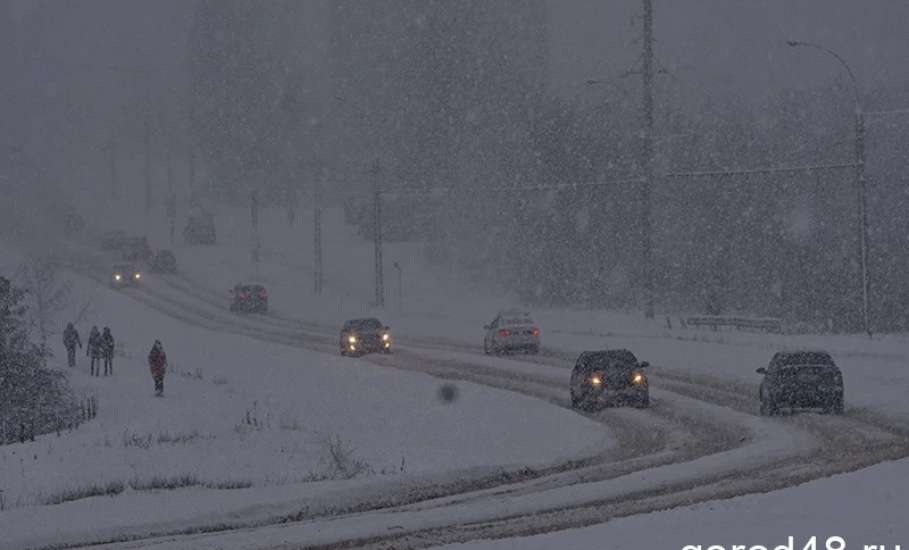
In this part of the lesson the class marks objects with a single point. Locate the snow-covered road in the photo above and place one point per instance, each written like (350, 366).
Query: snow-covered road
(700, 441)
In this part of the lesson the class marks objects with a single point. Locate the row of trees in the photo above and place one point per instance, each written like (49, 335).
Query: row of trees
(455, 98)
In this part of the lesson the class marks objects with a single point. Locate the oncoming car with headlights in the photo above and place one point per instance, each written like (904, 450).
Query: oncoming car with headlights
(125, 275)
(609, 377)
(359, 336)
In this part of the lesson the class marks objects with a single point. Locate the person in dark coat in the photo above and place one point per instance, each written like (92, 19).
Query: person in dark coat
(157, 362)
(94, 350)
(70, 341)
(107, 351)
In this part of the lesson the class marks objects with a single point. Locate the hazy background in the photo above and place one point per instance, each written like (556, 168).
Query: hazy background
(469, 98)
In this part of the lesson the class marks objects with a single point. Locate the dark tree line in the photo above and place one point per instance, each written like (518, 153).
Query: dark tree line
(455, 98)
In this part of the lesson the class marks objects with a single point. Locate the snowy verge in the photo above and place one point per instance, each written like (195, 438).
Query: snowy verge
(864, 507)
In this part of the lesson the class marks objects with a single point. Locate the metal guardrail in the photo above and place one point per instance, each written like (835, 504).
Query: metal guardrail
(716, 322)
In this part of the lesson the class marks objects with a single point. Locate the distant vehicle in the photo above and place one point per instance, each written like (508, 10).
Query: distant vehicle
(113, 240)
(200, 228)
(164, 262)
(136, 249)
(607, 378)
(359, 336)
(511, 331)
(801, 380)
(125, 275)
(249, 298)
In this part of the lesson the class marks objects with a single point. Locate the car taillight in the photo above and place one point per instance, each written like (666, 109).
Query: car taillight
(242, 295)
(504, 332)
(535, 331)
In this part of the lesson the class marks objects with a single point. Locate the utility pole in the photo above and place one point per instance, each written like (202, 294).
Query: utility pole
(192, 172)
(112, 159)
(863, 209)
(377, 235)
(400, 270)
(254, 222)
(171, 195)
(647, 161)
(317, 235)
(148, 184)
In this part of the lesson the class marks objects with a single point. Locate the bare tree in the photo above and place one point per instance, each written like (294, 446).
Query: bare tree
(48, 292)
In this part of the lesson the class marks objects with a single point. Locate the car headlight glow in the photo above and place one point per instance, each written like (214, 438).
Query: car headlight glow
(352, 339)
(596, 380)
(386, 337)
(138, 276)
(117, 276)
(638, 378)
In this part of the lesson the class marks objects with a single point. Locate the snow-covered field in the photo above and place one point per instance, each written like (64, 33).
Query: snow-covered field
(250, 426)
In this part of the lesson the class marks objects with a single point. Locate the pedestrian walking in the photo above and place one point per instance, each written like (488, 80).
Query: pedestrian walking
(94, 350)
(107, 351)
(70, 341)
(157, 362)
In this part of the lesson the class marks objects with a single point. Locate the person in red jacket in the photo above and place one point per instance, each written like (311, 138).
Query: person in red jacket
(157, 362)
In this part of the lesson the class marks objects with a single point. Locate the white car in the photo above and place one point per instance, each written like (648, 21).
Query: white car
(511, 331)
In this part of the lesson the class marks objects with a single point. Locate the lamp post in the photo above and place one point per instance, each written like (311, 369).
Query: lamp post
(859, 174)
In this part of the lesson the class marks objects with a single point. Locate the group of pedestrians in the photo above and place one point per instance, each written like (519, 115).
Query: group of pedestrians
(100, 350)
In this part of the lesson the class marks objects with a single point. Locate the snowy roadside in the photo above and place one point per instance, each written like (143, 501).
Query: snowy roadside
(864, 507)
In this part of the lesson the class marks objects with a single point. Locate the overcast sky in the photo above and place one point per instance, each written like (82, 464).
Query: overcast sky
(734, 46)
(713, 48)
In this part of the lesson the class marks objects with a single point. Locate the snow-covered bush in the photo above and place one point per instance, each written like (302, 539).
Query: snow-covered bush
(33, 399)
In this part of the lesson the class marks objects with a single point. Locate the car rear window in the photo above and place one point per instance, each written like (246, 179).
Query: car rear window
(511, 321)
(803, 358)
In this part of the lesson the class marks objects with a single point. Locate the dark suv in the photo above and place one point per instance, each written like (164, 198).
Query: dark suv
(609, 377)
(359, 336)
(801, 380)
(249, 298)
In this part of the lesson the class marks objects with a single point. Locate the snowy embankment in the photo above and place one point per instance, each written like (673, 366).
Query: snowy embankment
(250, 429)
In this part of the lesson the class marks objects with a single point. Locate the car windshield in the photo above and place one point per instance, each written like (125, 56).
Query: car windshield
(609, 361)
(364, 324)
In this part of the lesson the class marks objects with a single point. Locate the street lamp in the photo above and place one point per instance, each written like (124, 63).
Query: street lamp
(859, 173)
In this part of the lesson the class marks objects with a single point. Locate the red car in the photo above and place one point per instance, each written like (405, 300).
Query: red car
(249, 298)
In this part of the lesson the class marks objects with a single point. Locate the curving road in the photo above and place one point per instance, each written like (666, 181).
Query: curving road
(701, 440)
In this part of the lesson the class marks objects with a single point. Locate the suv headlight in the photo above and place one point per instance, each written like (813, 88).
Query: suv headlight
(386, 337)
(352, 339)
